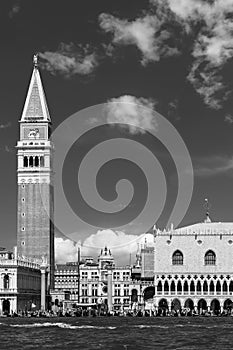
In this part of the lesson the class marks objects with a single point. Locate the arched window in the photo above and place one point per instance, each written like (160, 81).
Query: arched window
(212, 287)
(179, 287)
(25, 162)
(218, 287)
(31, 161)
(210, 258)
(192, 287)
(205, 287)
(166, 287)
(159, 286)
(186, 287)
(36, 161)
(198, 286)
(231, 287)
(173, 287)
(224, 287)
(6, 282)
(177, 258)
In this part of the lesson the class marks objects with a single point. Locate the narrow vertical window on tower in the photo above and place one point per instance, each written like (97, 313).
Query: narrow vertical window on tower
(36, 161)
(31, 161)
(25, 162)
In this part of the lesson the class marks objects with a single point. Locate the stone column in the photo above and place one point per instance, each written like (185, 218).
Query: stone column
(110, 290)
(170, 305)
(43, 287)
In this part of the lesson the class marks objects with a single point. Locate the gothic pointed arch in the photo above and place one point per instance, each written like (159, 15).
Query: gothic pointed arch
(173, 286)
(192, 287)
(166, 286)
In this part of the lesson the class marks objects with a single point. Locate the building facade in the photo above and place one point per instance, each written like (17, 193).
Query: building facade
(194, 268)
(20, 283)
(100, 282)
(192, 272)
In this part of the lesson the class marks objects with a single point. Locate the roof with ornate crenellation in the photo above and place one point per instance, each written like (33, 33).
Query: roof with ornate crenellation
(202, 228)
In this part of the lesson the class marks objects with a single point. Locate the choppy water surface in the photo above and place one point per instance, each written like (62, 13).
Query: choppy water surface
(116, 333)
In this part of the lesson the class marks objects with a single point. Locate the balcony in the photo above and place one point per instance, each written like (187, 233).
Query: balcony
(8, 290)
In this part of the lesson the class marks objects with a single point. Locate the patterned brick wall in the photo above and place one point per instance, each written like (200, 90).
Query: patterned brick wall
(35, 233)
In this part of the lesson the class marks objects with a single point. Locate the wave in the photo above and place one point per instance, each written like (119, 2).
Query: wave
(149, 326)
(59, 325)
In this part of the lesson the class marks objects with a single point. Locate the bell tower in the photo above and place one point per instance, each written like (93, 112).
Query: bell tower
(35, 229)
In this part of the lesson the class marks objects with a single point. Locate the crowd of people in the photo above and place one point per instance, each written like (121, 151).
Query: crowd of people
(94, 312)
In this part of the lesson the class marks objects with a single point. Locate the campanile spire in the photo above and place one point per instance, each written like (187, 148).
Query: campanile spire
(35, 107)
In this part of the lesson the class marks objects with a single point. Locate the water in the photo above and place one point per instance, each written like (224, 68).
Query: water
(117, 333)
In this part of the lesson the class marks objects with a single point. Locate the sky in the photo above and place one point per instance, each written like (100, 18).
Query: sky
(169, 56)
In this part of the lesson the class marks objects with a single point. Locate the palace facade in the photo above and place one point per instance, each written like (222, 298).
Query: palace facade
(193, 267)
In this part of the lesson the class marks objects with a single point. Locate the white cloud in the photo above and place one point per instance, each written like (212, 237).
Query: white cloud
(144, 32)
(65, 250)
(69, 60)
(208, 83)
(138, 113)
(210, 26)
(213, 166)
(213, 45)
(120, 244)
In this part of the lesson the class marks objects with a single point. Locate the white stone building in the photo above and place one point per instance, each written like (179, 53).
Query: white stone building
(20, 283)
(194, 267)
(94, 284)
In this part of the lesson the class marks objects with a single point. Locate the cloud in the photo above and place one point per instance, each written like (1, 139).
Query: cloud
(208, 83)
(213, 166)
(208, 25)
(65, 250)
(213, 44)
(229, 118)
(69, 60)
(136, 111)
(4, 126)
(14, 9)
(120, 244)
(144, 32)
(172, 109)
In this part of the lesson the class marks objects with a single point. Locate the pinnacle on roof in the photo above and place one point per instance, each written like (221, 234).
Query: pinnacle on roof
(35, 108)
(207, 218)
